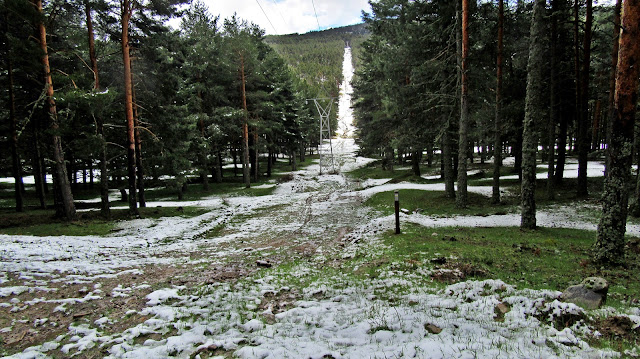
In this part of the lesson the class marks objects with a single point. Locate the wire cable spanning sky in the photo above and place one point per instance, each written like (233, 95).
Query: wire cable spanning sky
(280, 17)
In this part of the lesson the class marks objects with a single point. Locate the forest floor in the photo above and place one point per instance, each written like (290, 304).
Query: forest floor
(309, 267)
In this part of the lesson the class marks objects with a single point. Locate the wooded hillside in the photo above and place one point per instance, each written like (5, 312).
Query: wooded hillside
(127, 101)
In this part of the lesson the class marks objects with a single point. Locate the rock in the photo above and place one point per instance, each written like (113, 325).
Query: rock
(503, 308)
(596, 284)
(590, 294)
(500, 310)
(263, 263)
(433, 329)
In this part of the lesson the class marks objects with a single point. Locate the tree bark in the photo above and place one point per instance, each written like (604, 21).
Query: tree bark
(105, 210)
(92, 47)
(461, 195)
(36, 162)
(415, 162)
(126, 10)
(269, 162)
(595, 133)
(256, 163)
(15, 158)
(246, 175)
(612, 78)
(534, 110)
(553, 103)
(202, 152)
(497, 143)
(610, 242)
(447, 156)
(139, 166)
(66, 206)
(583, 140)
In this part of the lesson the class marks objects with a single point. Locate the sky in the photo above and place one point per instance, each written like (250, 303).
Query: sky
(292, 16)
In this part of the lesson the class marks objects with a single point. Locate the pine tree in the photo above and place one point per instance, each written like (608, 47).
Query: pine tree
(126, 10)
(497, 142)
(16, 165)
(610, 242)
(463, 143)
(65, 207)
(553, 103)
(104, 174)
(534, 110)
(583, 98)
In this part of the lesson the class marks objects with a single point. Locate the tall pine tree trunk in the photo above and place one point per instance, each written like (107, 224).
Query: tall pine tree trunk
(553, 103)
(447, 162)
(583, 127)
(416, 156)
(15, 158)
(256, 163)
(126, 10)
(36, 163)
(461, 195)
(139, 168)
(66, 207)
(609, 246)
(203, 149)
(246, 175)
(92, 47)
(497, 143)
(612, 78)
(104, 174)
(534, 110)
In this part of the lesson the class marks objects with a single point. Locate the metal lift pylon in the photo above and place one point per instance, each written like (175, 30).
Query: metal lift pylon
(324, 106)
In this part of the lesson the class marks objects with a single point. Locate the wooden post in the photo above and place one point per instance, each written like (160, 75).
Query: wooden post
(397, 208)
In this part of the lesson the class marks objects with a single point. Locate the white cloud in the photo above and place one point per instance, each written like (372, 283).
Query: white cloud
(291, 16)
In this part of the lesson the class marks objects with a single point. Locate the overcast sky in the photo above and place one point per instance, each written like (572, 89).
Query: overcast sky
(291, 16)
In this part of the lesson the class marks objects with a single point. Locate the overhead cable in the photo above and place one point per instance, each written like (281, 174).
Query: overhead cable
(314, 10)
(265, 15)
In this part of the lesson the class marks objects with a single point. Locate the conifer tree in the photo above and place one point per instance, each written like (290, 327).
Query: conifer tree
(610, 241)
(463, 142)
(534, 111)
(65, 207)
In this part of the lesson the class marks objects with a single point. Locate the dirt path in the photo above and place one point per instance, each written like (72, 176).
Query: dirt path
(50, 284)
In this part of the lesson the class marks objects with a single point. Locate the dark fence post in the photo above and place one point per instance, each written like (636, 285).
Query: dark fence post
(397, 205)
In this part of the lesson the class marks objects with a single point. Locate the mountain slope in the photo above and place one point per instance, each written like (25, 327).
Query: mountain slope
(317, 56)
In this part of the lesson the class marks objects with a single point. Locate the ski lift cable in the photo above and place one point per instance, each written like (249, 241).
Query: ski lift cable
(315, 12)
(265, 15)
(286, 23)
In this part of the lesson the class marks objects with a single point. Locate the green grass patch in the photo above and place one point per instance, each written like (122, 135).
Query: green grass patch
(542, 259)
(44, 223)
(374, 170)
(436, 203)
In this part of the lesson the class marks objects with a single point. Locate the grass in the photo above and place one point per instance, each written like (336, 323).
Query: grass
(436, 203)
(374, 170)
(542, 259)
(43, 222)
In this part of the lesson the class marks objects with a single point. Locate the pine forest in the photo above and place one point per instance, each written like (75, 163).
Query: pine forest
(445, 179)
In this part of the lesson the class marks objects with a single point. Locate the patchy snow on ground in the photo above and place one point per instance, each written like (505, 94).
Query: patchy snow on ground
(333, 315)
(370, 191)
(311, 307)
